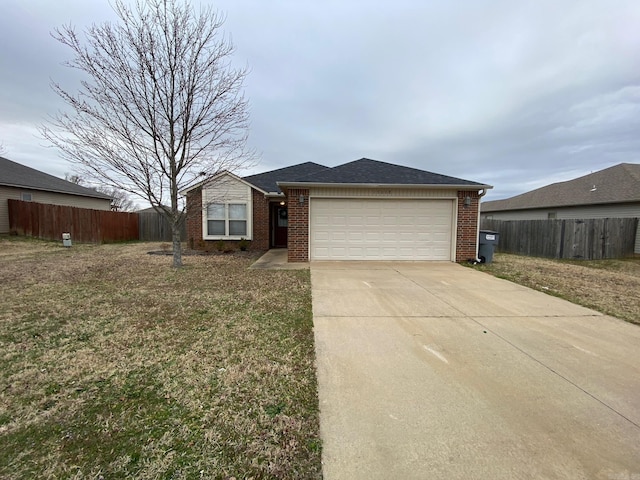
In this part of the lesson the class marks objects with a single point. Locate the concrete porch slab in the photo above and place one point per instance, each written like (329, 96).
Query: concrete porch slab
(276, 259)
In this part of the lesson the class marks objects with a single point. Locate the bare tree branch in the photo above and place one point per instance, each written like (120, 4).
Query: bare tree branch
(162, 108)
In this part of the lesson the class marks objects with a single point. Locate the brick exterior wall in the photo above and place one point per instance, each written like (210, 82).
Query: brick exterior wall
(467, 234)
(260, 221)
(194, 220)
(260, 210)
(298, 231)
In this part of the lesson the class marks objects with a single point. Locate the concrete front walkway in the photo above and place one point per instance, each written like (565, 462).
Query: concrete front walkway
(437, 371)
(276, 259)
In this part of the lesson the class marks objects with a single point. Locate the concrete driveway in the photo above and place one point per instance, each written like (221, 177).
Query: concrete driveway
(437, 371)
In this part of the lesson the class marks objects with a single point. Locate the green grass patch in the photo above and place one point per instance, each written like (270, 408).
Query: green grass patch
(115, 365)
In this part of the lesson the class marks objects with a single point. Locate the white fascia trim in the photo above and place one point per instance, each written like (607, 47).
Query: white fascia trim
(382, 185)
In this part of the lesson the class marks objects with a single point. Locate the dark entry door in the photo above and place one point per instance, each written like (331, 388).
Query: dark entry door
(279, 224)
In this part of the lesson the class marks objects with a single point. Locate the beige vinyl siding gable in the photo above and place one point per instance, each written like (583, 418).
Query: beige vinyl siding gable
(227, 189)
(41, 196)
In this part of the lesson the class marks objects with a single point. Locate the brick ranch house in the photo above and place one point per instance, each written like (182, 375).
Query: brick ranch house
(362, 210)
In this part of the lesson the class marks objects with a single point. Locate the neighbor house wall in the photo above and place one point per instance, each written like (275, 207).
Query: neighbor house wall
(52, 198)
(614, 210)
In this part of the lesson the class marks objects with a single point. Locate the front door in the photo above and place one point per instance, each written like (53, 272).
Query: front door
(279, 223)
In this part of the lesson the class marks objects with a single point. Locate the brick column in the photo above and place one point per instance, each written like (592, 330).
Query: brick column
(298, 230)
(261, 225)
(194, 219)
(467, 233)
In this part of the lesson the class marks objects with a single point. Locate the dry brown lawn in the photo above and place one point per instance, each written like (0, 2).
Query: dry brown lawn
(608, 286)
(115, 365)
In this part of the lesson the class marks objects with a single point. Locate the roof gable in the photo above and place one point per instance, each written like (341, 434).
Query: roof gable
(14, 174)
(617, 184)
(367, 171)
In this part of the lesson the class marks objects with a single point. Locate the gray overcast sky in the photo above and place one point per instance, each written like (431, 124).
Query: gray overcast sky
(517, 94)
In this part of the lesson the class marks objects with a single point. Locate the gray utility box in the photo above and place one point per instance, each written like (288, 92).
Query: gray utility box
(66, 239)
(488, 242)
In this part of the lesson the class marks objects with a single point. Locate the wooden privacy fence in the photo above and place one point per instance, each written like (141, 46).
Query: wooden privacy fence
(589, 239)
(153, 226)
(49, 222)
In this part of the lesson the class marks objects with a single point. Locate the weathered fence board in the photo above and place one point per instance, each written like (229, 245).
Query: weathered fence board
(589, 239)
(155, 227)
(49, 222)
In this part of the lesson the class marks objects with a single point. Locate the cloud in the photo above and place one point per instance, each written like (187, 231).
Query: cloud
(508, 93)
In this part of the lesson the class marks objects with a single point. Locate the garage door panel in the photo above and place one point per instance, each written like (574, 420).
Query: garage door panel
(377, 229)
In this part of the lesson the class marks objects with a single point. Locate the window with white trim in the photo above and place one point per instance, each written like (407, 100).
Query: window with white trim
(26, 197)
(227, 220)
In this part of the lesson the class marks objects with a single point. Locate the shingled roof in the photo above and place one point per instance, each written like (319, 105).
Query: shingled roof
(267, 181)
(617, 184)
(14, 174)
(367, 171)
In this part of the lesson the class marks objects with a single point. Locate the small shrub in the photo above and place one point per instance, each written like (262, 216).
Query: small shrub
(221, 246)
(243, 244)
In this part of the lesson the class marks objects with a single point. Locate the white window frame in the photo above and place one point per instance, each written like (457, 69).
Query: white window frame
(26, 196)
(227, 193)
(227, 219)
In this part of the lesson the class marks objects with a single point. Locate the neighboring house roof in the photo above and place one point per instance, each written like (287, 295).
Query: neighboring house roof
(14, 174)
(267, 181)
(373, 172)
(617, 184)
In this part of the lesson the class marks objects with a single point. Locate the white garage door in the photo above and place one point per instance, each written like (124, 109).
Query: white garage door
(365, 229)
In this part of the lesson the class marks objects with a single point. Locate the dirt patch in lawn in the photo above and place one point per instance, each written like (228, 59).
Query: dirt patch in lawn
(115, 365)
(608, 286)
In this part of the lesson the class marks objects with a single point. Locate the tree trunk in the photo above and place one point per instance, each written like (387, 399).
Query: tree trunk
(177, 246)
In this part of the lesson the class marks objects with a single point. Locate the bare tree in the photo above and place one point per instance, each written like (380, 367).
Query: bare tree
(163, 107)
(3, 149)
(120, 201)
(74, 178)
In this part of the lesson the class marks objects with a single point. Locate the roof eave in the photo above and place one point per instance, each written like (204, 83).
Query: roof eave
(384, 185)
(99, 196)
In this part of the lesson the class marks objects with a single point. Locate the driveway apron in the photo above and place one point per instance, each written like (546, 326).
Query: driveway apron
(432, 370)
